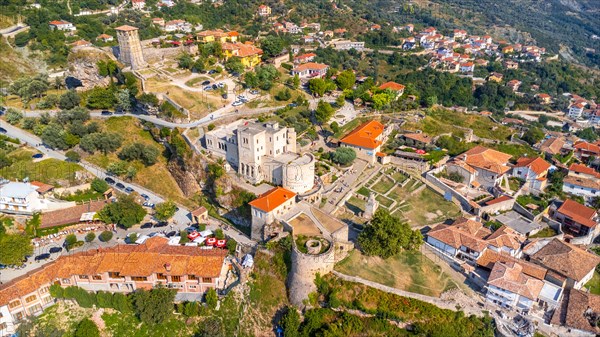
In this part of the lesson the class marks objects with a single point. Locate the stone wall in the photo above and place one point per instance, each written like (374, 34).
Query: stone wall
(304, 270)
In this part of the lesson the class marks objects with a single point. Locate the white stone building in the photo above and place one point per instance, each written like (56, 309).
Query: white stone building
(21, 198)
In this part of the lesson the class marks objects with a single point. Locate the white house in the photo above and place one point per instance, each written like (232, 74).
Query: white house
(509, 287)
(576, 110)
(467, 67)
(20, 198)
(366, 140)
(480, 166)
(532, 171)
(310, 70)
(62, 25)
(582, 180)
(138, 4)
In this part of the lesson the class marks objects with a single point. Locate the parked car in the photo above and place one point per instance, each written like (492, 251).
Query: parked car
(55, 250)
(161, 224)
(292, 105)
(254, 92)
(214, 86)
(106, 113)
(224, 96)
(109, 180)
(207, 82)
(120, 186)
(145, 196)
(235, 74)
(170, 234)
(3, 131)
(148, 204)
(38, 156)
(208, 88)
(42, 257)
(212, 71)
(129, 189)
(237, 103)
(221, 85)
(146, 225)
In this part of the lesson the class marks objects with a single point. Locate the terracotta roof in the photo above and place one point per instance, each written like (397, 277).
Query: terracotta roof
(463, 232)
(104, 36)
(578, 212)
(365, 135)
(500, 199)
(575, 309)
(490, 257)
(59, 22)
(128, 260)
(588, 147)
(126, 28)
(304, 56)
(487, 159)
(272, 199)
(579, 181)
(80, 43)
(537, 165)
(70, 215)
(41, 187)
(199, 211)
(392, 86)
(420, 137)
(579, 168)
(506, 237)
(311, 66)
(544, 96)
(472, 227)
(509, 276)
(233, 33)
(242, 49)
(566, 259)
(552, 145)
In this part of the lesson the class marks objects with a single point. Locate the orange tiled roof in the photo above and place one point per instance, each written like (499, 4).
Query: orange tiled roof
(42, 187)
(537, 165)
(487, 159)
(420, 137)
(572, 312)
(311, 66)
(59, 22)
(578, 212)
(365, 135)
(509, 276)
(392, 86)
(490, 257)
(127, 260)
(242, 49)
(552, 145)
(104, 36)
(272, 199)
(579, 168)
(505, 237)
(588, 147)
(126, 28)
(566, 259)
(455, 237)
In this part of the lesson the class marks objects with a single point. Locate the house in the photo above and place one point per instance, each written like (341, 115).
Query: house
(417, 139)
(570, 266)
(122, 268)
(594, 117)
(552, 146)
(584, 151)
(308, 39)
(166, 3)
(219, 35)
(70, 215)
(264, 10)
(304, 58)
(21, 198)
(582, 181)
(429, 31)
(81, 44)
(496, 77)
(366, 140)
(200, 214)
(544, 98)
(158, 21)
(485, 166)
(105, 38)
(514, 85)
(577, 219)
(339, 31)
(509, 287)
(533, 171)
(269, 207)
(61, 25)
(508, 50)
(375, 27)
(249, 54)
(579, 312)
(138, 4)
(177, 26)
(397, 88)
(42, 188)
(576, 110)
(467, 67)
(347, 45)
(310, 70)
(459, 34)
(510, 64)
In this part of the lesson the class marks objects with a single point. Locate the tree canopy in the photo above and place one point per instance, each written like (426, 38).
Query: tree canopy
(124, 212)
(165, 210)
(87, 328)
(154, 306)
(14, 248)
(386, 235)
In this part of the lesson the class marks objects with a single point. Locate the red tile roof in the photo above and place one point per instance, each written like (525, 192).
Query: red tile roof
(578, 212)
(510, 276)
(58, 22)
(589, 147)
(392, 86)
(365, 135)
(579, 168)
(41, 187)
(566, 259)
(537, 165)
(487, 159)
(576, 311)
(272, 199)
(126, 28)
(311, 66)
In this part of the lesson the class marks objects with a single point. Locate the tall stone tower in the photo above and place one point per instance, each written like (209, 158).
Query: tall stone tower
(130, 48)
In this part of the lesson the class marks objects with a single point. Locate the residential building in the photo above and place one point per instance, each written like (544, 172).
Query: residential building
(417, 139)
(310, 70)
(579, 312)
(577, 220)
(158, 21)
(138, 4)
(21, 198)
(61, 25)
(496, 77)
(594, 117)
(249, 54)
(269, 207)
(105, 38)
(217, 35)
(576, 110)
(584, 151)
(122, 268)
(509, 64)
(514, 85)
(347, 45)
(264, 10)
(305, 58)
(570, 266)
(533, 171)
(366, 140)
(81, 44)
(71, 215)
(582, 181)
(480, 166)
(263, 152)
(544, 98)
(397, 88)
(467, 67)
(178, 26)
(459, 34)
(552, 146)
(508, 286)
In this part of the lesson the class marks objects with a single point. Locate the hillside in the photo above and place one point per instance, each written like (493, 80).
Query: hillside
(12, 63)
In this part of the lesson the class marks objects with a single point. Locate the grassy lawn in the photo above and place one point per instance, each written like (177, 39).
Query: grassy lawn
(194, 81)
(199, 104)
(364, 191)
(424, 208)
(387, 202)
(515, 150)
(155, 177)
(356, 205)
(594, 283)
(383, 185)
(50, 171)
(410, 271)
(84, 196)
(544, 233)
(128, 325)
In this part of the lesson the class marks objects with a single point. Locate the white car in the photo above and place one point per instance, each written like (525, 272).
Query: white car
(237, 103)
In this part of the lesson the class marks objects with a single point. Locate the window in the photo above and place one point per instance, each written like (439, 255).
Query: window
(35, 308)
(112, 274)
(139, 278)
(2, 326)
(175, 278)
(30, 299)
(207, 280)
(84, 277)
(192, 277)
(44, 290)
(65, 281)
(161, 277)
(97, 277)
(18, 316)
(47, 299)
(192, 286)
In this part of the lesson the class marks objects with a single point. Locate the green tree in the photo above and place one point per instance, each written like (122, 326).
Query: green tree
(343, 156)
(386, 236)
(588, 134)
(165, 210)
(533, 135)
(154, 306)
(231, 245)
(70, 241)
(69, 100)
(295, 82)
(105, 236)
(124, 212)
(123, 100)
(73, 156)
(14, 249)
(13, 116)
(283, 95)
(99, 185)
(101, 98)
(89, 237)
(118, 168)
(148, 99)
(87, 328)
(323, 112)
(317, 86)
(211, 298)
(33, 225)
(234, 65)
(291, 322)
(335, 127)
(132, 237)
(185, 61)
(346, 79)
(272, 46)
(147, 154)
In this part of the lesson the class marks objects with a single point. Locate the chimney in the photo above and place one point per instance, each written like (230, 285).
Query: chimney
(168, 267)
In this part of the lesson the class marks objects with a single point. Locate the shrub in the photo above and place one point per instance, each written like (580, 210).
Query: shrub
(105, 236)
(211, 298)
(73, 156)
(87, 328)
(344, 156)
(99, 185)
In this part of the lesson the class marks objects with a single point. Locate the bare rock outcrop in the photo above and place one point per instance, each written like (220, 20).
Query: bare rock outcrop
(83, 66)
(186, 176)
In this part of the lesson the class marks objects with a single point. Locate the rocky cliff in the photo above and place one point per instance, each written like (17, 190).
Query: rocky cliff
(83, 67)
